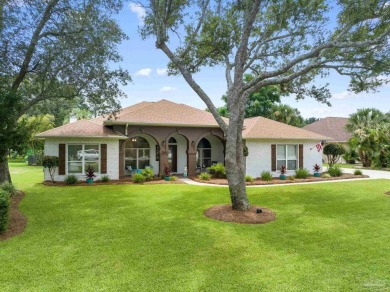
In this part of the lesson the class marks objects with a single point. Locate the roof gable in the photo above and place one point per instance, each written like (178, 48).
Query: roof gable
(81, 128)
(263, 128)
(333, 127)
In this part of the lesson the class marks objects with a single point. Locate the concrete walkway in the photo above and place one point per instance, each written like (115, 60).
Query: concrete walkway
(373, 174)
(195, 183)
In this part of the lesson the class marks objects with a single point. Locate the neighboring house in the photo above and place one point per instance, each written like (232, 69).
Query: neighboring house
(155, 134)
(332, 127)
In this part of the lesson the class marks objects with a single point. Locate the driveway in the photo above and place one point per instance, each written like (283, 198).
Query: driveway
(373, 174)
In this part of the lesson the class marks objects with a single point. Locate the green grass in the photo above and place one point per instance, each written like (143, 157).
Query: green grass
(327, 237)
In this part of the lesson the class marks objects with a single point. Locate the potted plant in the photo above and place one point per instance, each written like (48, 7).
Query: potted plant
(283, 171)
(90, 174)
(316, 169)
(167, 172)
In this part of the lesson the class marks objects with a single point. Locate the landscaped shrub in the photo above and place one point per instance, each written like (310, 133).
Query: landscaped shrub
(204, 176)
(326, 175)
(357, 172)
(9, 188)
(249, 178)
(173, 178)
(105, 178)
(51, 162)
(291, 177)
(148, 173)
(4, 210)
(302, 173)
(218, 170)
(71, 179)
(333, 152)
(335, 171)
(266, 176)
(138, 178)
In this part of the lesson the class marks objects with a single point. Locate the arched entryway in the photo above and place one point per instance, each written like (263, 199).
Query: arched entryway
(140, 152)
(209, 151)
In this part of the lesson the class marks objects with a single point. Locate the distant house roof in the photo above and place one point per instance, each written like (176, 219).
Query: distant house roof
(164, 113)
(167, 113)
(82, 129)
(332, 127)
(263, 128)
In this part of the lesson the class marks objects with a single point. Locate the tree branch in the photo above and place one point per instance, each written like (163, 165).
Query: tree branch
(194, 85)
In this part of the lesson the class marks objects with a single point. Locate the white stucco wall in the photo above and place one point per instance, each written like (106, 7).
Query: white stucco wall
(51, 149)
(259, 158)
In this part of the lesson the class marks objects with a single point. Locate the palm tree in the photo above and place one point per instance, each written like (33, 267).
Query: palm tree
(366, 118)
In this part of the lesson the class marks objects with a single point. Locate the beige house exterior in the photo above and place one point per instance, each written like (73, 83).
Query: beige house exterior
(156, 134)
(333, 127)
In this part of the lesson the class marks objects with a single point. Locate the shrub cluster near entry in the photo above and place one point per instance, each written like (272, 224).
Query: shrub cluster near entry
(218, 170)
(302, 173)
(138, 178)
(266, 176)
(335, 171)
(71, 179)
(4, 210)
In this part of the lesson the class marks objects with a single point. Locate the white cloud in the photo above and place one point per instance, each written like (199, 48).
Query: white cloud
(139, 10)
(167, 89)
(144, 72)
(161, 71)
(342, 95)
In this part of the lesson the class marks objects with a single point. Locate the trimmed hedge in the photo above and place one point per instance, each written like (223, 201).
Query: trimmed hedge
(4, 210)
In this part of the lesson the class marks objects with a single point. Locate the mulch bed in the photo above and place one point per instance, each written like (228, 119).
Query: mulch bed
(387, 193)
(227, 214)
(277, 181)
(114, 182)
(17, 222)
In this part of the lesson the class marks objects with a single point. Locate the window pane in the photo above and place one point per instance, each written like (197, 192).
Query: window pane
(279, 164)
(75, 152)
(291, 164)
(130, 163)
(207, 153)
(292, 152)
(143, 163)
(281, 152)
(131, 154)
(75, 167)
(91, 152)
(95, 165)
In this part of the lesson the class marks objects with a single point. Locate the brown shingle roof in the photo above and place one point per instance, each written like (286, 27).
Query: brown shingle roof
(167, 113)
(164, 112)
(263, 128)
(332, 127)
(81, 128)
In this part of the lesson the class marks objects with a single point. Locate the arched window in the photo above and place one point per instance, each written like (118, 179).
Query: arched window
(137, 154)
(172, 141)
(203, 154)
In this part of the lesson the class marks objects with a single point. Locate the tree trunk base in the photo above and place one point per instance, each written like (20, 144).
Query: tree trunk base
(5, 175)
(225, 213)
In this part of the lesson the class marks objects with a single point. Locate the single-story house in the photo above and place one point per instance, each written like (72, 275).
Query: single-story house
(333, 127)
(155, 134)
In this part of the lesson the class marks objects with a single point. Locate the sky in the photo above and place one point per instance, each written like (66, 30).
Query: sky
(147, 66)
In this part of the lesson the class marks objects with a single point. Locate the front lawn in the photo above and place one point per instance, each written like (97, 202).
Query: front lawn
(155, 238)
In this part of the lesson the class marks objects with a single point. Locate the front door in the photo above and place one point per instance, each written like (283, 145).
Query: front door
(172, 157)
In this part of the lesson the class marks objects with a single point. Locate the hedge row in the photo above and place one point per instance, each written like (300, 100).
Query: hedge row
(4, 210)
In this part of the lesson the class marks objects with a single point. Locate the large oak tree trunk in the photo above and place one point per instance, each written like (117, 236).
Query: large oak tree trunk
(4, 170)
(235, 164)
